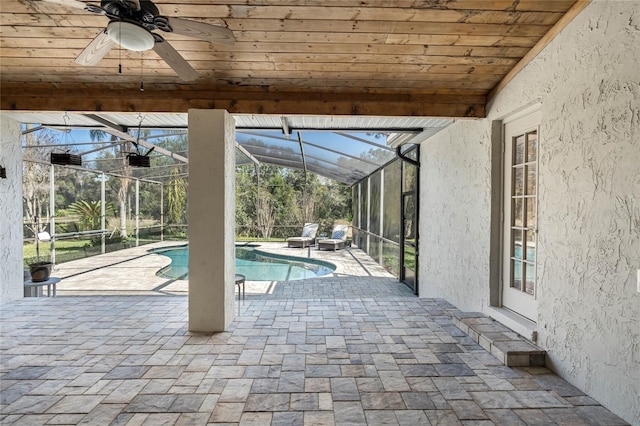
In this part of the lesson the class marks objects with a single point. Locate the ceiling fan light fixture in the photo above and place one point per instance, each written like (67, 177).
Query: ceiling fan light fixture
(130, 36)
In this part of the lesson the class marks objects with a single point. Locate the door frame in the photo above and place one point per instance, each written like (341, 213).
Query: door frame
(410, 276)
(512, 299)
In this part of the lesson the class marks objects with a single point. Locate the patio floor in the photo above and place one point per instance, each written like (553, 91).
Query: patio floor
(354, 348)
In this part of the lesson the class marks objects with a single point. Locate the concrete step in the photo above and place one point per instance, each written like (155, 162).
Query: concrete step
(509, 347)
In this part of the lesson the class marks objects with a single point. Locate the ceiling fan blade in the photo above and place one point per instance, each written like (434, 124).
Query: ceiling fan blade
(202, 31)
(96, 50)
(175, 61)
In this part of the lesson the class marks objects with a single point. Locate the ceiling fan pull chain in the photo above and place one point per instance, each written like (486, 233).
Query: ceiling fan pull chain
(119, 50)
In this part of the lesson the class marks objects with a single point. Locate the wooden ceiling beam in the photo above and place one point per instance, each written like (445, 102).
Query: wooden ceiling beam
(343, 91)
(284, 84)
(21, 97)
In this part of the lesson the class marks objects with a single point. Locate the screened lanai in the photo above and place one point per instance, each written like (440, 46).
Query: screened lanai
(376, 156)
(343, 148)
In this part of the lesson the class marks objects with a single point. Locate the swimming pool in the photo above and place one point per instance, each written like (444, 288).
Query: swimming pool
(254, 264)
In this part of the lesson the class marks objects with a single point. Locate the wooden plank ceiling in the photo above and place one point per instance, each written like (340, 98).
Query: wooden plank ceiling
(363, 57)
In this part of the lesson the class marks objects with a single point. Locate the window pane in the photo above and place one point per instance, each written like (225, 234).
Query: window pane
(532, 146)
(410, 177)
(391, 201)
(531, 179)
(516, 271)
(364, 205)
(374, 202)
(391, 257)
(517, 212)
(374, 248)
(518, 181)
(517, 244)
(519, 150)
(355, 205)
(531, 212)
(531, 246)
(529, 284)
(410, 257)
(409, 218)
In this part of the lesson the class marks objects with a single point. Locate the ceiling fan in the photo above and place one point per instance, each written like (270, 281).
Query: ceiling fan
(131, 23)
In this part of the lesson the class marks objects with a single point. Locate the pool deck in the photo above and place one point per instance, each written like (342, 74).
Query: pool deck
(133, 271)
(354, 348)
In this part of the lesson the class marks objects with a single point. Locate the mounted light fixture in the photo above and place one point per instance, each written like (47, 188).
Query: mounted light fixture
(66, 159)
(137, 160)
(130, 36)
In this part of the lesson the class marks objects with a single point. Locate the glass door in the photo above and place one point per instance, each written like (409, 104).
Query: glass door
(519, 290)
(409, 243)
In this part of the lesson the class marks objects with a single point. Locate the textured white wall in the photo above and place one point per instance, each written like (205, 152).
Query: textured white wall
(11, 269)
(454, 215)
(588, 82)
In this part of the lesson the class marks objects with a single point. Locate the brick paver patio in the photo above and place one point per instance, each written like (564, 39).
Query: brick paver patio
(353, 348)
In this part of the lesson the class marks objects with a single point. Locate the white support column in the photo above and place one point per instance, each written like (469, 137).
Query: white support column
(103, 213)
(11, 269)
(137, 212)
(211, 227)
(161, 212)
(52, 211)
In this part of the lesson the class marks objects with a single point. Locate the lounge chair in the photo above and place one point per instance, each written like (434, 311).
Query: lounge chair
(338, 238)
(307, 238)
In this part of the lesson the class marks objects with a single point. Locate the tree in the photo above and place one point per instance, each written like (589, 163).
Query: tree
(265, 216)
(246, 191)
(121, 151)
(90, 213)
(287, 198)
(177, 197)
(35, 178)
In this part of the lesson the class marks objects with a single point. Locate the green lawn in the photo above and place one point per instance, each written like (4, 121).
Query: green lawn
(62, 247)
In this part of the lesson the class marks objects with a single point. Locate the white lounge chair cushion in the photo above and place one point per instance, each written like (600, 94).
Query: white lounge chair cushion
(339, 234)
(309, 230)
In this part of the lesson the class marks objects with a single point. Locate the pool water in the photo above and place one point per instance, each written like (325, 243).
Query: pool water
(254, 264)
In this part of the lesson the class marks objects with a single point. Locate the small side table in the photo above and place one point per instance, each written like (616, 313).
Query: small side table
(29, 286)
(240, 280)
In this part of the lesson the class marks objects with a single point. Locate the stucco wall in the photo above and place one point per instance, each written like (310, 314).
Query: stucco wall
(588, 84)
(454, 215)
(11, 270)
(211, 220)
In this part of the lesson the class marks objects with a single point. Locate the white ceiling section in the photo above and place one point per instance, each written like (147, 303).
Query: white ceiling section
(343, 148)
